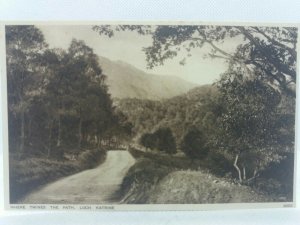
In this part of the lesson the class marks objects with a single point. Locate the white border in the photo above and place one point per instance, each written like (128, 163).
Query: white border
(127, 207)
(204, 10)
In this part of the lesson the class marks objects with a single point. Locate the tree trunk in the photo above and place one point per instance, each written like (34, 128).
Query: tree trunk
(29, 129)
(244, 173)
(255, 175)
(79, 131)
(58, 143)
(22, 131)
(254, 172)
(49, 138)
(98, 141)
(22, 137)
(237, 168)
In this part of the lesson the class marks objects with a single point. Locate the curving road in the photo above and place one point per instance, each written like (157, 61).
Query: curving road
(95, 186)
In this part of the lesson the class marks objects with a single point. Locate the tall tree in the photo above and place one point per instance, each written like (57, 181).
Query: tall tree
(77, 90)
(248, 123)
(24, 46)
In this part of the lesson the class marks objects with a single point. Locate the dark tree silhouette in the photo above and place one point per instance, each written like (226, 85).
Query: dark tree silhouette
(249, 123)
(24, 46)
(165, 140)
(194, 144)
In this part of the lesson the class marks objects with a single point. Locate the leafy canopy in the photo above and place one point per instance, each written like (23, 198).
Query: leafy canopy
(266, 52)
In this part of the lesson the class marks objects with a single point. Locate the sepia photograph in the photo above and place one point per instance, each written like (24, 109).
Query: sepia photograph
(150, 114)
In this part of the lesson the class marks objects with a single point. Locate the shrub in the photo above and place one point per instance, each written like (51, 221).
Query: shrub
(162, 140)
(165, 140)
(219, 164)
(148, 141)
(194, 144)
(278, 178)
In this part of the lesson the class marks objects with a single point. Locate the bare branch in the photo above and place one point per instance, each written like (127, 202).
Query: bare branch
(237, 168)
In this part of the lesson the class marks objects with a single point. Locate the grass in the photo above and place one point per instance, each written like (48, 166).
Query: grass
(160, 179)
(149, 169)
(196, 187)
(141, 179)
(216, 164)
(27, 174)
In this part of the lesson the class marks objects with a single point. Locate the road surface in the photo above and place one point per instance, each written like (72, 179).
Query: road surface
(95, 186)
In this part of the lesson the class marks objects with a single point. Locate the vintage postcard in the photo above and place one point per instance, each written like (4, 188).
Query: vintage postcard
(148, 116)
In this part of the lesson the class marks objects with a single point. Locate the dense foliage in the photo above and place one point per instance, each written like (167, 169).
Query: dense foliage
(265, 52)
(243, 125)
(251, 118)
(195, 144)
(194, 108)
(162, 140)
(57, 99)
(250, 124)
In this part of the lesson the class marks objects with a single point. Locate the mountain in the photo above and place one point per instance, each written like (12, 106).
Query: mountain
(126, 81)
(178, 113)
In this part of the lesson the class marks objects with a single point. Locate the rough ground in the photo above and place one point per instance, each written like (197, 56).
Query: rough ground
(95, 186)
(196, 187)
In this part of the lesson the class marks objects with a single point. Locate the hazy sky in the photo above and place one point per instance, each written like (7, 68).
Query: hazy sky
(127, 46)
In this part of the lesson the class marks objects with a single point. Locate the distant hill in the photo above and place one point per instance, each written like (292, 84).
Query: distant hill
(126, 81)
(179, 112)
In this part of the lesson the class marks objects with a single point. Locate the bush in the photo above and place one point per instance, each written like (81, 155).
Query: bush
(148, 141)
(270, 186)
(165, 140)
(194, 144)
(175, 162)
(162, 140)
(219, 164)
(278, 178)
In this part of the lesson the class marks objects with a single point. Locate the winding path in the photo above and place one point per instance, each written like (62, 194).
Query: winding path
(95, 186)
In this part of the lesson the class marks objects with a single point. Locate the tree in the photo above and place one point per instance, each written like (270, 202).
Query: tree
(124, 127)
(57, 99)
(248, 123)
(261, 70)
(165, 140)
(86, 83)
(194, 144)
(148, 140)
(24, 46)
(77, 92)
(266, 52)
(162, 139)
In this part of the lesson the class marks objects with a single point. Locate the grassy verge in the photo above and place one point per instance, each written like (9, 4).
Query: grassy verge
(196, 187)
(141, 179)
(149, 169)
(27, 174)
(162, 179)
(215, 164)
